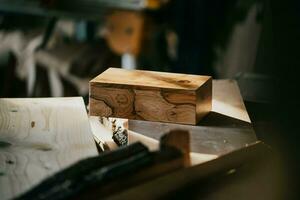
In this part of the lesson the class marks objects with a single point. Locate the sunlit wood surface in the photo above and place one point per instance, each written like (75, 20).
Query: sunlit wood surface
(38, 137)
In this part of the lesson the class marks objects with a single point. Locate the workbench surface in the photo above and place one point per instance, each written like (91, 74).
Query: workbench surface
(40, 136)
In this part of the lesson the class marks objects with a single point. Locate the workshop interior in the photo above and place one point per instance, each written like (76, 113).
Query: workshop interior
(149, 99)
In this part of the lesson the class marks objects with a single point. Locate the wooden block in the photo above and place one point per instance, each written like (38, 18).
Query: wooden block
(152, 96)
(180, 139)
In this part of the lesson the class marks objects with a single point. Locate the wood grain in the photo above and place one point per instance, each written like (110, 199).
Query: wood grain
(151, 96)
(38, 137)
(142, 79)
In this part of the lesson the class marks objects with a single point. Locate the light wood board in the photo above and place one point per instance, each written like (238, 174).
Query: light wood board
(38, 137)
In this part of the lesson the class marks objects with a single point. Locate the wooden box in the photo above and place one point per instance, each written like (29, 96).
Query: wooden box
(152, 96)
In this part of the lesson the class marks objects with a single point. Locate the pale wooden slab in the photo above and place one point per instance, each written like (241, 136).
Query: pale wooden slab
(39, 137)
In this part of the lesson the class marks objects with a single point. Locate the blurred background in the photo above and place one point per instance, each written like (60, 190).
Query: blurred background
(52, 48)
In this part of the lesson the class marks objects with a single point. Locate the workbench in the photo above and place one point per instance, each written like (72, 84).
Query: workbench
(225, 131)
(41, 136)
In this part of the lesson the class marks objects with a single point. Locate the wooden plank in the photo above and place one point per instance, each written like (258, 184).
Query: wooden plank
(38, 137)
(152, 96)
(227, 127)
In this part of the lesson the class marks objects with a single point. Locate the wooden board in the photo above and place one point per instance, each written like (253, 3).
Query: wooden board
(151, 96)
(225, 129)
(38, 137)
